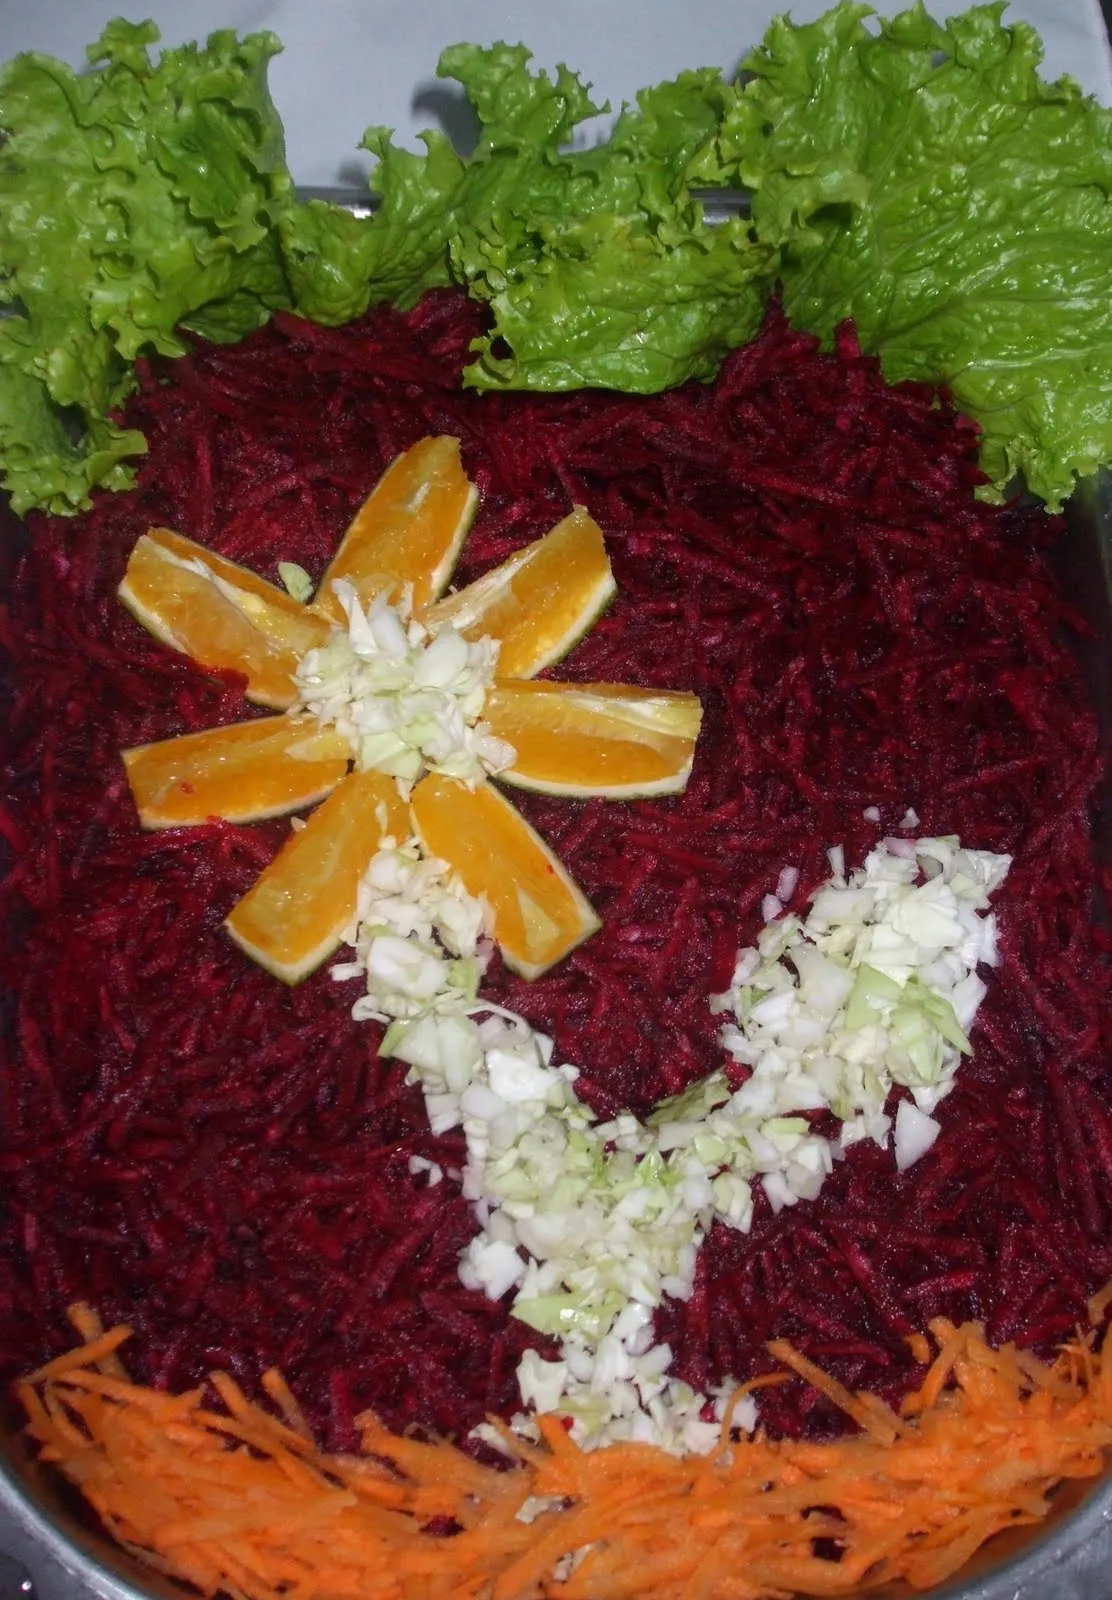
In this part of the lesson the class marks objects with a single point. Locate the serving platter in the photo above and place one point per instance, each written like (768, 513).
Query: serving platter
(43, 1529)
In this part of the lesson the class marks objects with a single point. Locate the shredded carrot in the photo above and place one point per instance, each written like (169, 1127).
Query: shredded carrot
(1099, 1304)
(280, 1392)
(91, 1354)
(241, 1501)
(87, 1323)
(871, 1415)
(920, 1347)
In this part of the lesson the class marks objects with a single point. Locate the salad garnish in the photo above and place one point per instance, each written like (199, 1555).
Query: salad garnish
(408, 695)
(590, 1223)
(917, 177)
(246, 1501)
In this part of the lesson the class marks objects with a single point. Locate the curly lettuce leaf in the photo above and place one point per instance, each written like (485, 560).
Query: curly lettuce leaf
(44, 465)
(339, 264)
(921, 179)
(596, 263)
(598, 266)
(134, 199)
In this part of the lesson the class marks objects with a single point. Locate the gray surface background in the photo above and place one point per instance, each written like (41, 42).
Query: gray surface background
(352, 62)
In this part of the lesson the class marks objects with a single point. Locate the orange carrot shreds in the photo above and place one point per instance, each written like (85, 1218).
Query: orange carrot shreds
(767, 1380)
(89, 1325)
(920, 1347)
(870, 1414)
(278, 1390)
(240, 1500)
(90, 1354)
(1099, 1304)
(86, 1319)
(951, 1342)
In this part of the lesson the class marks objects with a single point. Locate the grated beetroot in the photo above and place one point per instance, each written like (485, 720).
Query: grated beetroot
(224, 1163)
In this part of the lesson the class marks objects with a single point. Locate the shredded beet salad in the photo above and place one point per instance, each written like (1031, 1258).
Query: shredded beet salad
(224, 1163)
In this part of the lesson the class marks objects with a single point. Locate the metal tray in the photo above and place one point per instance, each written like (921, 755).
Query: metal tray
(56, 1552)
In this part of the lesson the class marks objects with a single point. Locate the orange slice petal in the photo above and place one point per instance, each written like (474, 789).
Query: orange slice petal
(540, 913)
(540, 602)
(222, 615)
(243, 772)
(408, 530)
(595, 738)
(295, 915)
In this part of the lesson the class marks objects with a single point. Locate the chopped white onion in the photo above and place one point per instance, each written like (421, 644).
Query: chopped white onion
(786, 884)
(588, 1225)
(405, 701)
(914, 1134)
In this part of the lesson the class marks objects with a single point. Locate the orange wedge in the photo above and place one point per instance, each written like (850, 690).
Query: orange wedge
(220, 614)
(540, 913)
(538, 603)
(243, 772)
(595, 738)
(294, 916)
(408, 530)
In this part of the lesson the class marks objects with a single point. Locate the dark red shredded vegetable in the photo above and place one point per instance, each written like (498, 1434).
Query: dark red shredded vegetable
(225, 1163)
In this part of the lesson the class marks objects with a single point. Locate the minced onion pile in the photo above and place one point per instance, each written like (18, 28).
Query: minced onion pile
(591, 1223)
(406, 701)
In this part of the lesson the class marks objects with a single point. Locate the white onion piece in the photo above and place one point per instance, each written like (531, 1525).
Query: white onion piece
(914, 1134)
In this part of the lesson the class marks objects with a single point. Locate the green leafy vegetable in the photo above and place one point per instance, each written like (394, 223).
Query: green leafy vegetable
(339, 264)
(918, 178)
(922, 180)
(133, 199)
(596, 263)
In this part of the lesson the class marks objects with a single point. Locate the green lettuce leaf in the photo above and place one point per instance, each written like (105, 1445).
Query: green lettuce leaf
(924, 181)
(339, 264)
(46, 462)
(597, 264)
(134, 199)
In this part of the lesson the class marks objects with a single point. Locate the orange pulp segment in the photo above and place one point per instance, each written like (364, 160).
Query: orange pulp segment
(595, 738)
(408, 530)
(243, 772)
(222, 615)
(540, 913)
(538, 603)
(294, 915)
